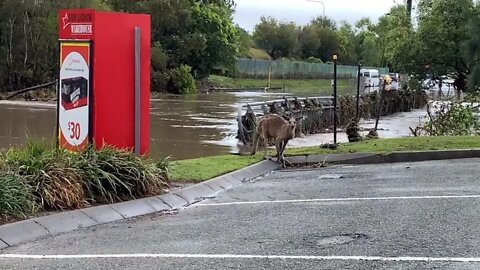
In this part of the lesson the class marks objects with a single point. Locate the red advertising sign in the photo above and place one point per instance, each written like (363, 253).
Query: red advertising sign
(73, 95)
(76, 24)
(98, 51)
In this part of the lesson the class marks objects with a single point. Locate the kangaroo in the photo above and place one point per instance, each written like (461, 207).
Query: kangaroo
(273, 126)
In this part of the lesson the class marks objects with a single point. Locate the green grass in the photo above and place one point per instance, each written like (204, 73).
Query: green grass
(201, 169)
(317, 86)
(256, 53)
(394, 145)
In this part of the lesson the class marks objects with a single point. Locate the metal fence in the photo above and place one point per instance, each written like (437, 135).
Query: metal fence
(254, 68)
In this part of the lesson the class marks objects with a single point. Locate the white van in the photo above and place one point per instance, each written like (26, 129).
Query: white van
(371, 77)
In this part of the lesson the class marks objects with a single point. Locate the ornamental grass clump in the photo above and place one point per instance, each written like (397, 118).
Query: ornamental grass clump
(61, 180)
(56, 181)
(16, 197)
(114, 175)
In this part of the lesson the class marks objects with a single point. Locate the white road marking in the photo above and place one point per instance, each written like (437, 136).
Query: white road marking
(346, 200)
(234, 256)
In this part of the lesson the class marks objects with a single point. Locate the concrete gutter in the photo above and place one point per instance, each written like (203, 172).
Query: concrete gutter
(36, 228)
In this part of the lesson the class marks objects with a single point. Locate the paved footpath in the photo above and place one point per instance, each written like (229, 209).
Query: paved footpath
(422, 215)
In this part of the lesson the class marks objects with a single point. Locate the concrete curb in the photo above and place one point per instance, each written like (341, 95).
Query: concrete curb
(36, 228)
(394, 157)
(32, 229)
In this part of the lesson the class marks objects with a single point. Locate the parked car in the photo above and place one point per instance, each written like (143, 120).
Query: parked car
(371, 77)
(395, 77)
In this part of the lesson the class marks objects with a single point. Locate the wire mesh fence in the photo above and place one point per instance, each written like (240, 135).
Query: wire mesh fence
(285, 69)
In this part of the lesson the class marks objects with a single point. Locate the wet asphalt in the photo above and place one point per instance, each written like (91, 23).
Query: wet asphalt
(395, 216)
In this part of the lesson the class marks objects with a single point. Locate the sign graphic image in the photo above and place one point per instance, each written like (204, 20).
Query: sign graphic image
(74, 92)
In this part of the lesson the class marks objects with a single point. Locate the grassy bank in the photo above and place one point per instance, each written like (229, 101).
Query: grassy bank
(40, 177)
(202, 169)
(256, 53)
(317, 87)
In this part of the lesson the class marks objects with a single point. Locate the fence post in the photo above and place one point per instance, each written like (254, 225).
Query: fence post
(269, 76)
(335, 99)
(357, 113)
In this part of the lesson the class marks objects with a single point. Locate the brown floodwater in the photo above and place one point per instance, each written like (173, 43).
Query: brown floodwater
(184, 127)
(181, 126)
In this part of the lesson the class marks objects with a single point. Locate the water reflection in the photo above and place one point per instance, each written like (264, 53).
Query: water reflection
(17, 123)
(181, 126)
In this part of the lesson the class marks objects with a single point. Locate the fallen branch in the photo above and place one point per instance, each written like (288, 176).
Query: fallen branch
(11, 95)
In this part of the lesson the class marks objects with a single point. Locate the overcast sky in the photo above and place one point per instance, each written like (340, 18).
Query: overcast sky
(248, 12)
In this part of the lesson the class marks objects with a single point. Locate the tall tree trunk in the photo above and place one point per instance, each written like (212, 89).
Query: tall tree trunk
(409, 9)
(25, 37)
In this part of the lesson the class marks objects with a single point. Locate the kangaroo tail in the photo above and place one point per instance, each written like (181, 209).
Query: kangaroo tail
(256, 137)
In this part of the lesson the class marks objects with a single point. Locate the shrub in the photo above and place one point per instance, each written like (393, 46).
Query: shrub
(56, 182)
(314, 60)
(113, 175)
(65, 180)
(181, 80)
(16, 198)
(453, 119)
(159, 61)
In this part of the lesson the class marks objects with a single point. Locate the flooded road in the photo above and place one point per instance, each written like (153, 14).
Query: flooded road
(181, 126)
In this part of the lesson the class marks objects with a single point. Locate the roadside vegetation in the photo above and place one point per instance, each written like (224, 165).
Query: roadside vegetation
(207, 40)
(41, 178)
(201, 169)
(190, 41)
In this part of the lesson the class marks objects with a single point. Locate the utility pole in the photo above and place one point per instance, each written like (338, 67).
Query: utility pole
(357, 112)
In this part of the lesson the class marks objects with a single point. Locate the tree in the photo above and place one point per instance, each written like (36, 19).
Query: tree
(214, 25)
(195, 33)
(437, 46)
(326, 32)
(441, 34)
(367, 44)
(329, 44)
(371, 54)
(200, 34)
(265, 34)
(244, 41)
(472, 53)
(346, 39)
(287, 40)
(324, 22)
(402, 48)
(309, 42)
(278, 39)
(391, 28)
(28, 40)
(124, 5)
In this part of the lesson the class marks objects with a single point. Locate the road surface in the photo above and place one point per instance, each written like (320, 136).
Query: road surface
(390, 216)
